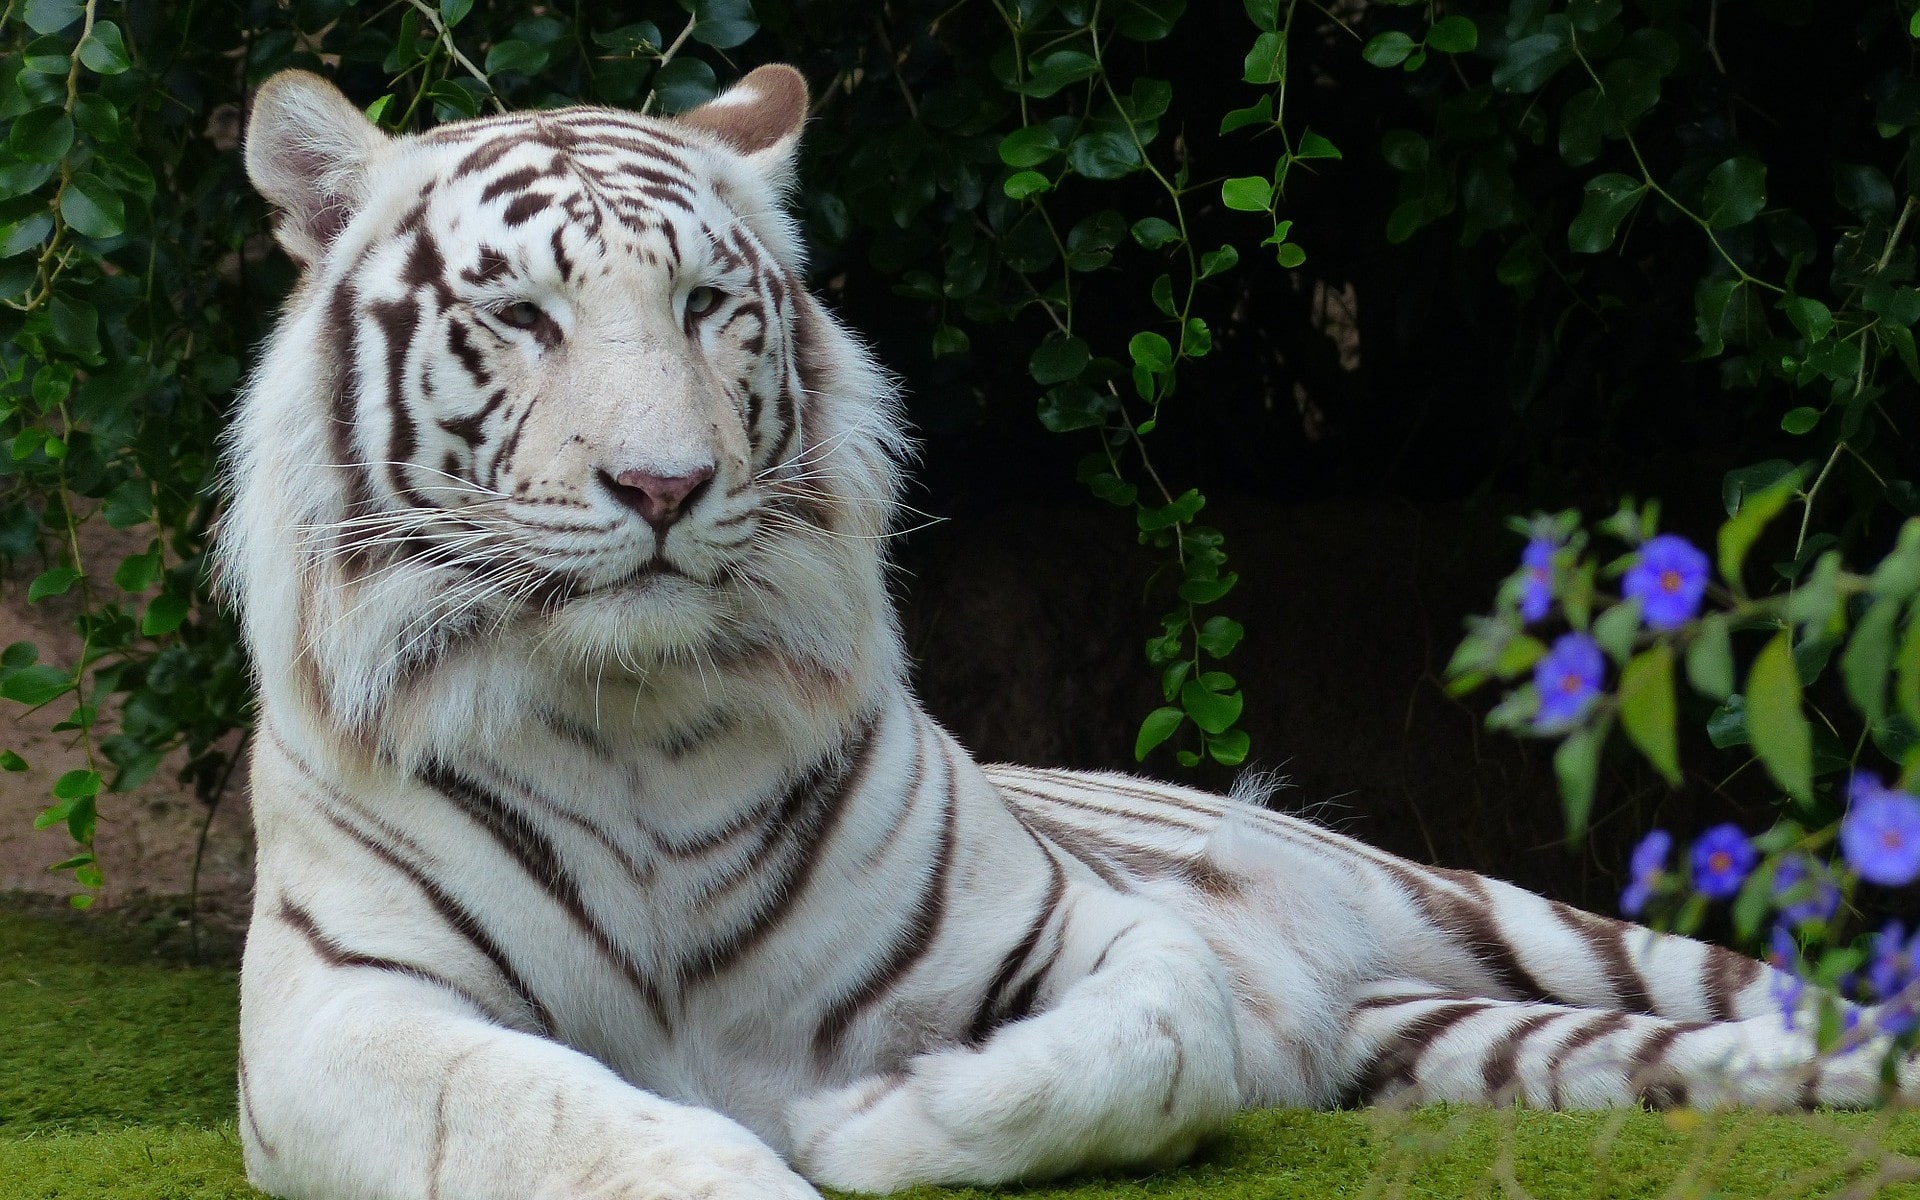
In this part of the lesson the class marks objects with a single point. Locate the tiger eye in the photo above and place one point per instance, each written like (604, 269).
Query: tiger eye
(701, 300)
(522, 314)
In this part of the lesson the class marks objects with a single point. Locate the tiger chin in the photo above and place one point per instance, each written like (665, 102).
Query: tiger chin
(604, 850)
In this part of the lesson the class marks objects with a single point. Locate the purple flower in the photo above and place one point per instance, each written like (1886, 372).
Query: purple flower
(1893, 962)
(1568, 679)
(1648, 864)
(1722, 860)
(1805, 890)
(1786, 985)
(1669, 580)
(1536, 596)
(1880, 834)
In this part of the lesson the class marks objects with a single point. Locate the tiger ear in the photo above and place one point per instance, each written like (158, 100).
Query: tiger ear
(759, 117)
(308, 152)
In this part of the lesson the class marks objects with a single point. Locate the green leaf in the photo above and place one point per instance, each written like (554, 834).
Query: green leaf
(9, 761)
(1219, 635)
(1710, 658)
(1591, 16)
(1756, 510)
(523, 57)
(1163, 294)
(1206, 591)
(1265, 14)
(1229, 749)
(1577, 766)
(1312, 145)
(1615, 629)
(1453, 35)
(1781, 735)
(1029, 147)
(1906, 670)
(1290, 255)
(1215, 262)
(684, 83)
(1388, 49)
(724, 24)
(77, 784)
(1211, 711)
(1147, 20)
(1161, 724)
(947, 339)
(1609, 198)
(1151, 351)
(1107, 154)
(1260, 112)
(1647, 709)
(1246, 193)
(1813, 319)
(1800, 420)
(1530, 61)
(452, 12)
(1024, 184)
(1736, 191)
(1267, 62)
(51, 16)
(43, 135)
(92, 208)
(55, 581)
(1869, 658)
(35, 685)
(1153, 233)
(1899, 572)
(1059, 358)
(1863, 190)
(105, 50)
(1583, 123)
(1055, 71)
(138, 572)
(1632, 87)
(164, 614)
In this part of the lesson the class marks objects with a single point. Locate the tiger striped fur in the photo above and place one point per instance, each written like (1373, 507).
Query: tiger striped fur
(604, 851)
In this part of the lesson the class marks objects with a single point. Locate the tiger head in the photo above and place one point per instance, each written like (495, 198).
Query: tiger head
(553, 372)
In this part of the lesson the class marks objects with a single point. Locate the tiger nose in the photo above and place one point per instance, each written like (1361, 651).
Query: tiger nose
(659, 499)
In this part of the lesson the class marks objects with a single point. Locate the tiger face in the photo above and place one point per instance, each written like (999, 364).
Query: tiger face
(565, 365)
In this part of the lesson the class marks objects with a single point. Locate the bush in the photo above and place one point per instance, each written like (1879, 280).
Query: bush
(1595, 248)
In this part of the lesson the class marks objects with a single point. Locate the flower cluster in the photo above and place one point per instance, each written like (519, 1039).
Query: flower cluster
(1879, 841)
(1667, 580)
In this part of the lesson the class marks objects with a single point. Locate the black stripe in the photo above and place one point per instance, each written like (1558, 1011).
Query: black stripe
(333, 954)
(538, 858)
(1608, 940)
(1398, 1064)
(992, 1012)
(1503, 1059)
(820, 796)
(913, 942)
(456, 915)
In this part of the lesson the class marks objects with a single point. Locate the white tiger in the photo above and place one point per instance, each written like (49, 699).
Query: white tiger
(603, 848)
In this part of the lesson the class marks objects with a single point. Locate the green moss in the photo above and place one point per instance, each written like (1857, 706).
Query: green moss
(97, 1032)
(116, 1082)
(135, 1163)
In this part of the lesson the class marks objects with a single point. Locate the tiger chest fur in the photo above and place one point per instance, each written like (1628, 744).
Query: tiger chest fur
(603, 849)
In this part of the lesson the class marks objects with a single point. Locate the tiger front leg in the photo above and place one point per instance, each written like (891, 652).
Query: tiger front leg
(1132, 1061)
(358, 1081)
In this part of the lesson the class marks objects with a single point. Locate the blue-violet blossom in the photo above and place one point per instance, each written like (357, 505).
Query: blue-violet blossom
(1669, 580)
(1567, 678)
(1880, 835)
(1722, 860)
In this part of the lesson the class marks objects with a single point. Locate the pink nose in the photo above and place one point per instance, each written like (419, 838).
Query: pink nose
(659, 499)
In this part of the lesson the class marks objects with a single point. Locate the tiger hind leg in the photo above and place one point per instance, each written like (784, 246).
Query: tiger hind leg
(1409, 1042)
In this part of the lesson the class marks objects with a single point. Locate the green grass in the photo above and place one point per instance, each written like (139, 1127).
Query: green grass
(116, 1083)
